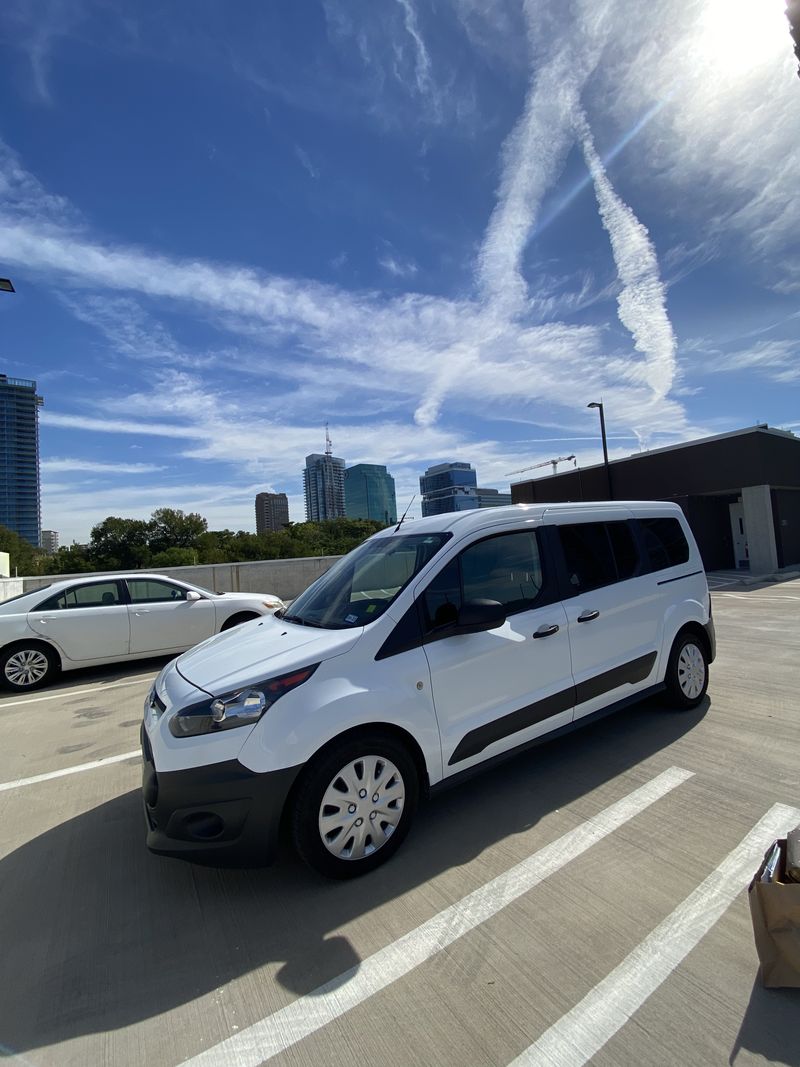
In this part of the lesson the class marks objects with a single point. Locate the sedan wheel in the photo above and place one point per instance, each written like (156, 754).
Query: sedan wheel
(27, 667)
(354, 804)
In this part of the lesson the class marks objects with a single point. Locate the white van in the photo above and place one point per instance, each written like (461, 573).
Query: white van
(435, 647)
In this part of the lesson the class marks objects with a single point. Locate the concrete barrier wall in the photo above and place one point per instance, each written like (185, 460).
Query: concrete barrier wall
(286, 578)
(10, 587)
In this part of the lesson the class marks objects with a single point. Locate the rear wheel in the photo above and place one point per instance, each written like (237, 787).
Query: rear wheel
(687, 672)
(27, 666)
(354, 805)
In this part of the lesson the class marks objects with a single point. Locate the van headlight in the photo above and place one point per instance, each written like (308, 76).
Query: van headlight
(241, 707)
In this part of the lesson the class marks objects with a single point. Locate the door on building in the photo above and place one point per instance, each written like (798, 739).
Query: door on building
(739, 534)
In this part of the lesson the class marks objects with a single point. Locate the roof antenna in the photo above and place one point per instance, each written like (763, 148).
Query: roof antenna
(411, 501)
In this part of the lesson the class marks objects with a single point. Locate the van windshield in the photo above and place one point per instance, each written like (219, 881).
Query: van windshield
(361, 586)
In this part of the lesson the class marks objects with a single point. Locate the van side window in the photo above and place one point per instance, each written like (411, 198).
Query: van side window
(665, 543)
(588, 556)
(441, 601)
(623, 546)
(506, 568)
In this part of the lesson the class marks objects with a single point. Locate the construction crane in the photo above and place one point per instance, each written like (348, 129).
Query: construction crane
(553, 462)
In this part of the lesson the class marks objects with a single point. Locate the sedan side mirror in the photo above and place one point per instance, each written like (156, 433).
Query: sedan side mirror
(478, 615)
(192, 595)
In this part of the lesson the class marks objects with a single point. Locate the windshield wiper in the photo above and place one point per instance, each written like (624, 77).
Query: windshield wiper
(300, 621)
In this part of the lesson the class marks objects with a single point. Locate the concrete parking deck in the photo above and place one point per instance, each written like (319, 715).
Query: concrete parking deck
(586, 902)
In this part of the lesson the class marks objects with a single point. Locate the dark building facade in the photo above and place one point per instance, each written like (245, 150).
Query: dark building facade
(369, 493)
(272, 512)
(20, 499)
(740, 492)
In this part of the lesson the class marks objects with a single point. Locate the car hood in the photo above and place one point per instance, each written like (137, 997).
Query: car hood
(257, 598)
(257, 650)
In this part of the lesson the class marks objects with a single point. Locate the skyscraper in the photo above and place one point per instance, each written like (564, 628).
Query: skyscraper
(50, 541)
(448, 487)
(272, 512)
(20, 502)
(323, 484)
(369, 493)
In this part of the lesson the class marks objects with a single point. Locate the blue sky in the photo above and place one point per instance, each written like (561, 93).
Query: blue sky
(443, 228)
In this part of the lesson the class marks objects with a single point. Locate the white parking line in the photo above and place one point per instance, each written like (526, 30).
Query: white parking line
(284, 1028)
(584, 1030)
(68, 770)
(65, 693)
(753, 596)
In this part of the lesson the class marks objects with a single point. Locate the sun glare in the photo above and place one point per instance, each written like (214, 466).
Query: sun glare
(739, 35)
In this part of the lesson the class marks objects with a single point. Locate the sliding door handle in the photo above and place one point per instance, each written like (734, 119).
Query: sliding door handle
(588, 616)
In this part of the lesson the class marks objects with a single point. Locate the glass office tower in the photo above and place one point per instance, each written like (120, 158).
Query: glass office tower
(20, 501)
(369, 493)
(448, 487)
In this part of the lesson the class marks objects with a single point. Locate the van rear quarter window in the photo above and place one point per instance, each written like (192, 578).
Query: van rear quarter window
(664, 542)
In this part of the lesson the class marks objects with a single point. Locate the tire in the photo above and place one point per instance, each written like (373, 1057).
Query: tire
(27, 665)
(687, 672)
(237, 620)
(330, 787)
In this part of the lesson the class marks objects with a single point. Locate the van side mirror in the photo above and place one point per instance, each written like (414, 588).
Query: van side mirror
(478, 615)
(192, 595)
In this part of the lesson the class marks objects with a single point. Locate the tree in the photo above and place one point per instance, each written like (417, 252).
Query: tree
(120, 544)
(69, 559)
(174, 557)
(22, 555)
(171, 528)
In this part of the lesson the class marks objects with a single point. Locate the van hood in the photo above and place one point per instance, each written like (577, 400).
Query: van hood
(257, 650)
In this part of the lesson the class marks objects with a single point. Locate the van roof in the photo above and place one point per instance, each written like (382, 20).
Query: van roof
(478, 518)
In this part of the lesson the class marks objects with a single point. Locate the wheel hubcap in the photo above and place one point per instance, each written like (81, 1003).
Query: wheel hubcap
(691, 671)
(26, 667)
(361, 808)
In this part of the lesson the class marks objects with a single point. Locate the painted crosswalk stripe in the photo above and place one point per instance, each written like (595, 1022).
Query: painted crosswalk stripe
(289, 1025)
(583, 1031)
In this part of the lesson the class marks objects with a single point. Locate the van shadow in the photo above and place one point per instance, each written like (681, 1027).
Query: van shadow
(99, 934)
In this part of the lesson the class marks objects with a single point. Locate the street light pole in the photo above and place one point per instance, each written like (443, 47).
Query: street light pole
(599, 406)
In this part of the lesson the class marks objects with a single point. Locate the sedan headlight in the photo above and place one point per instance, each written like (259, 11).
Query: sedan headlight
(241, 707)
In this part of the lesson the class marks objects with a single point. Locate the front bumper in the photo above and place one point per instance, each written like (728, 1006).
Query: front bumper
(221, 815)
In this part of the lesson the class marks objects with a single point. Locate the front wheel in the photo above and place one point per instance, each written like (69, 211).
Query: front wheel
(687, 672)
(27, 666)
(354, 805)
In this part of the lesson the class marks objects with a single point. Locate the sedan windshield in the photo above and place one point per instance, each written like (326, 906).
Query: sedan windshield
(359, 588)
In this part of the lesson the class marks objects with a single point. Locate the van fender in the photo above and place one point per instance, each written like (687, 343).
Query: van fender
(307, 719)
(676, 617)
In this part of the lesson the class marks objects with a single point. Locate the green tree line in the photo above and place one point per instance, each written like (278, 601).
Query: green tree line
(171, 538)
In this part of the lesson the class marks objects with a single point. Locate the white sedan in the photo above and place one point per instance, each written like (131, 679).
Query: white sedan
(84, 622)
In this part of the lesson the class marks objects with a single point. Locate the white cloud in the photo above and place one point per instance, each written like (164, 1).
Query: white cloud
(724, 143)
(398, 268)
(775, 360)
(642, 299)
(305, 162)
(50, 466)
